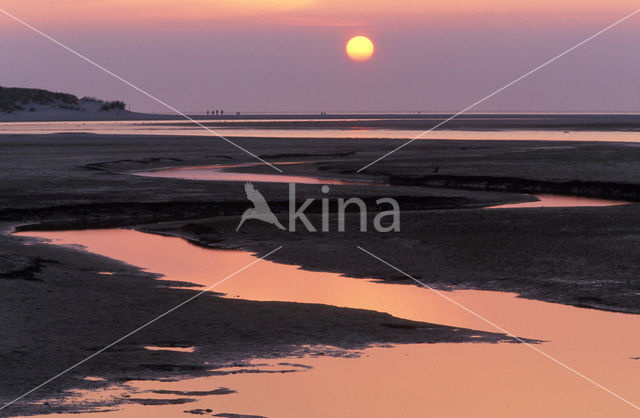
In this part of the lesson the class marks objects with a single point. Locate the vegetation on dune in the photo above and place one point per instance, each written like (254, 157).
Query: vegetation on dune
(90, 99)
(16, 99)
(115, 105)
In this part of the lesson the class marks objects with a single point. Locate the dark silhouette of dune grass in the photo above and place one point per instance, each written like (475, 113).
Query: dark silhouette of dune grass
(16, 98)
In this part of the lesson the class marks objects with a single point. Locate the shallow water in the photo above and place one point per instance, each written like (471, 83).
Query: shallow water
(182, 127)
(415, 380)
(222, 173)
(557, 201)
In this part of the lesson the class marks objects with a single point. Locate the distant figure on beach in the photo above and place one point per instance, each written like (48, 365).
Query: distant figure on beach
(221, 112)
(260, 209)
(435, 170)
(207, 113)
(216, 113)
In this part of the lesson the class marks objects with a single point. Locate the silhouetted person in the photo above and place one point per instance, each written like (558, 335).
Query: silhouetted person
(207, 113)
(221, 112)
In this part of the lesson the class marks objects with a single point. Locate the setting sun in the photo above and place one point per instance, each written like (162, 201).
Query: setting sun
(360, 48)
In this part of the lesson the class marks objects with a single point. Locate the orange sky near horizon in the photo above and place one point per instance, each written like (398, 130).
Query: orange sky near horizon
(300, 12)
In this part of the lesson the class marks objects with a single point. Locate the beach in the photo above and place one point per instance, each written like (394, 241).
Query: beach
(288, 209)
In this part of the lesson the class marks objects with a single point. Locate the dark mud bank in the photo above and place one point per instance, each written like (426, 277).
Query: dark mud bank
(112, 215)
(593, 189)
(55, 314)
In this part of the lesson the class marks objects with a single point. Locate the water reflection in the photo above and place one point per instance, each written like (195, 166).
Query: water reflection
(557, 201)
(185, 128)
(455, 380)
(218, 173)
(177, 349)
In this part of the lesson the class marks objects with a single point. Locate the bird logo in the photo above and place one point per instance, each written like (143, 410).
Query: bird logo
(260, 209)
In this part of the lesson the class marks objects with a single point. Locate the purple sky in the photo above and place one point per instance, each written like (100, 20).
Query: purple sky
(419, 65)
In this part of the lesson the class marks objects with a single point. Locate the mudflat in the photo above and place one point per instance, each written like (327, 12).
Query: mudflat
(57, 309)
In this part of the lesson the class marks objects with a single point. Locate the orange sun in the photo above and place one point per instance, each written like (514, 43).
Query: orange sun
(360, 48)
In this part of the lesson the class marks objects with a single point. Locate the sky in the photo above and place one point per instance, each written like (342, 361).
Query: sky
(288, 55)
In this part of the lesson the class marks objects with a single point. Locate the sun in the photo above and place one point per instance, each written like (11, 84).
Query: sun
(360, 48)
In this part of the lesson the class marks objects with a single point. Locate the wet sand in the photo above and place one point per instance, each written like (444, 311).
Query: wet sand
(58, 308)
(580, 256)
(386, 377)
